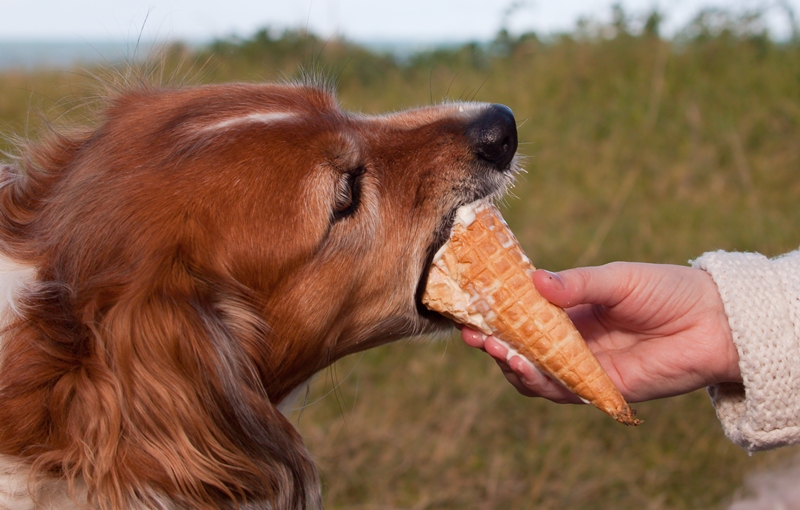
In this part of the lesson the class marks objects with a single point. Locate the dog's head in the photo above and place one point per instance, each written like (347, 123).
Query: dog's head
(204, 251)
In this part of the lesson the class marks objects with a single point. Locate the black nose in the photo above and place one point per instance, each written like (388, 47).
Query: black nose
(494, 135)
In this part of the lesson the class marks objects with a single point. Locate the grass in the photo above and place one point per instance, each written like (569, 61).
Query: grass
(637, 148)
(435, 426)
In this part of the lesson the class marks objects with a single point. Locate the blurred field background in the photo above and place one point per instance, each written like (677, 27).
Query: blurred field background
(637, 148)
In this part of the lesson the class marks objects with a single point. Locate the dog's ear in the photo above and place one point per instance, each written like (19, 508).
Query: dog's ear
(195, 407)
(162, 396)
(28, 183)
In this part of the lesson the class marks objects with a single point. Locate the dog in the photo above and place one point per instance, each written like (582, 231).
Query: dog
(174, 273)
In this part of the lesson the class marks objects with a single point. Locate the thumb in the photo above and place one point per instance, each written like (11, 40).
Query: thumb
(600, 285)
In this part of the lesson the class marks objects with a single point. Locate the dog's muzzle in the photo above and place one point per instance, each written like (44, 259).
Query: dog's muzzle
(493, 140)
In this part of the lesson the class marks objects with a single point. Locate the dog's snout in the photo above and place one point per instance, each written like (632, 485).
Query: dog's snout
(494, 135)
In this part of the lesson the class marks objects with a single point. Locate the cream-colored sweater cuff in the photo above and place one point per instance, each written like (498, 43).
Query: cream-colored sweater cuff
(762, 300)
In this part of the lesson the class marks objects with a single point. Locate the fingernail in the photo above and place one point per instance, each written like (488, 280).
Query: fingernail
(555, 280)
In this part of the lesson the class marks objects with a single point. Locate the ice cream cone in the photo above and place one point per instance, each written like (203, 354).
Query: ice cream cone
(481, 278)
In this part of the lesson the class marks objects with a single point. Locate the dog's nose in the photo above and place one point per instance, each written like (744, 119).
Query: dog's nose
(494, 135)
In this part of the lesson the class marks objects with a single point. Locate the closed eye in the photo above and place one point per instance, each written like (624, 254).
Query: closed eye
(348, 193)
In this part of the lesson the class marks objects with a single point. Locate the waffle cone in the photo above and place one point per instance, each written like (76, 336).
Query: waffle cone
(481, 278)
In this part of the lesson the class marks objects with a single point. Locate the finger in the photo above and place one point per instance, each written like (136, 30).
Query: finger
(473, 338)
(514, 379)
(540, 383)
(495, 349)
(525, 370)
(601, 285)
(524, 376)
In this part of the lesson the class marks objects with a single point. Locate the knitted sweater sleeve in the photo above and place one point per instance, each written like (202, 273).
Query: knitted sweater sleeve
(762, 301)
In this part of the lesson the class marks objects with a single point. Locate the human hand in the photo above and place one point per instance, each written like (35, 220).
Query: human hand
(658, 330)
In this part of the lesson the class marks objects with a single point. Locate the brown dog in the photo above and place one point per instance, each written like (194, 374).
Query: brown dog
(174, 273)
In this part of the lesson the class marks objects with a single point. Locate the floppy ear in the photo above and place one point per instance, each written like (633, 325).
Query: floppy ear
(162, 400)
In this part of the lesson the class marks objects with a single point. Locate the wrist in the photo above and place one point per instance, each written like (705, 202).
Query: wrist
(729, 367)
(724, 353)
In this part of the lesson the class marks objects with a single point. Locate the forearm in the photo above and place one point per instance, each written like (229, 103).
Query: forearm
(762, 302)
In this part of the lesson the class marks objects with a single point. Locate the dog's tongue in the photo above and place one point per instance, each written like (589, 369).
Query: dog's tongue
(481, 278)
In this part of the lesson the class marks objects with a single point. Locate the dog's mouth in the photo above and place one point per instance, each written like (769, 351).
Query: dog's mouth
(442, 233)
(440, 237)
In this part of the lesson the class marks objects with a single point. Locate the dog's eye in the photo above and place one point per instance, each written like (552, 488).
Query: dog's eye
(348, 193)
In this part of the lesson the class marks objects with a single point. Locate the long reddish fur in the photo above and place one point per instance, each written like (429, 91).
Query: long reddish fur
(119, 322)
(187, 276)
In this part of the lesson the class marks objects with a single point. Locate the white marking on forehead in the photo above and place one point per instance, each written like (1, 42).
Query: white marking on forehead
(263, 118)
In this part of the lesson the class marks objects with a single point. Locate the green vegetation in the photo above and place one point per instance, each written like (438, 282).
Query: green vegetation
(637, 148)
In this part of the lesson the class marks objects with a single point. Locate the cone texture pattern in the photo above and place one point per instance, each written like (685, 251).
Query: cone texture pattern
(481, 278)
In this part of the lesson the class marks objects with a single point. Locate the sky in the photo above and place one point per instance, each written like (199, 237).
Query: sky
(357, 20)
